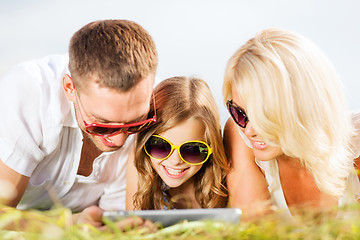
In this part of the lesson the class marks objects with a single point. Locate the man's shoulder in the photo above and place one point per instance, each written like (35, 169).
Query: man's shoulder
(37, 84)
(36, 75)
(53, 66)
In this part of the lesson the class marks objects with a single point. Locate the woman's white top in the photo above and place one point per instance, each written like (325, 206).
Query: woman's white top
(271, 170)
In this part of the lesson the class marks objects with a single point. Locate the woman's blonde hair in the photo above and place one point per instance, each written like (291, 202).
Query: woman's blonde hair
(294, 99)
(178, 99)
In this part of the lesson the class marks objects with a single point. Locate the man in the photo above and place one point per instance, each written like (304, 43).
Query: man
(66, 132)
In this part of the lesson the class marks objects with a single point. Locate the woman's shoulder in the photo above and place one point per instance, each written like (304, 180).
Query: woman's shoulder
(355, 118)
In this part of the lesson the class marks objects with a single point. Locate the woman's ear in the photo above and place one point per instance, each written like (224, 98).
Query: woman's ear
(69, 87)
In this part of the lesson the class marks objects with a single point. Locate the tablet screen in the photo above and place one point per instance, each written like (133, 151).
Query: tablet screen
(170, 217)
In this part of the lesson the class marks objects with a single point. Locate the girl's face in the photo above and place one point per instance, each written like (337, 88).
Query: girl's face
(262, 150)
(173, 170)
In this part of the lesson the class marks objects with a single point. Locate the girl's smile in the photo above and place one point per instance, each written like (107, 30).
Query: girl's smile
(173, 172)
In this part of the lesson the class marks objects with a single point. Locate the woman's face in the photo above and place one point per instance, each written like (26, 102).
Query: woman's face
(262, 150)
(173, 170)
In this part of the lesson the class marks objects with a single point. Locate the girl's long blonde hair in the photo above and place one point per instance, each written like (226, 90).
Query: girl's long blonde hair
(294, 99)
(178, 99)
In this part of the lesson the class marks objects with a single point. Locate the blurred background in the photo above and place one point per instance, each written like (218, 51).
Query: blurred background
(193, 37)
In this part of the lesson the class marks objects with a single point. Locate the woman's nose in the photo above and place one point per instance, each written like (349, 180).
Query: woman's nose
(249, 130)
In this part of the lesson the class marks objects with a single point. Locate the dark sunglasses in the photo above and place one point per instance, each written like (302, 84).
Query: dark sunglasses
(107, 130)
(191, 152)
(237, 113)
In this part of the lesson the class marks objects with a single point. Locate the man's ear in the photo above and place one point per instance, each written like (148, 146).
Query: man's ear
(69, 87)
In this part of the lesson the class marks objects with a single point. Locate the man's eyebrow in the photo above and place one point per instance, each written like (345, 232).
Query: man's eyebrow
(140, 118)
(102, 120)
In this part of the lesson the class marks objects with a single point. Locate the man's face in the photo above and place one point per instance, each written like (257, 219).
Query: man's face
(95, 104)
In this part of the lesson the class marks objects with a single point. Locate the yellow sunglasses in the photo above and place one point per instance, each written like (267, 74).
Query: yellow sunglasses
(192, 152)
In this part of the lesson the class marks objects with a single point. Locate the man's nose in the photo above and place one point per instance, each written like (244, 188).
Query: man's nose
(119, 139)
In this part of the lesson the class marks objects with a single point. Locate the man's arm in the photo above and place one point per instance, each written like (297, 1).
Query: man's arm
(13, 185)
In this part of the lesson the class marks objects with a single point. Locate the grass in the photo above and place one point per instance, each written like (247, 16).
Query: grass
(56, 224)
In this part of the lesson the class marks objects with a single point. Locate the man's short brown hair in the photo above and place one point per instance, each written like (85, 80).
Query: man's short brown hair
(114, 53)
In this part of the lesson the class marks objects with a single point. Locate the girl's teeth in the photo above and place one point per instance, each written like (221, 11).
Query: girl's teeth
(260, 143)
(173, 171)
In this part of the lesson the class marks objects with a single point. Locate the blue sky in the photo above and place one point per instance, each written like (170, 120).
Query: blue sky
(193, 37)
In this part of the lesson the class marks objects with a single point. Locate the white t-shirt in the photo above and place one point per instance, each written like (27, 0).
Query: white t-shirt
(40, 138)
(272, 176)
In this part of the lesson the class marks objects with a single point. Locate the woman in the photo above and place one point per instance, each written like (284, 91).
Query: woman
(289, 139)
(180, 160)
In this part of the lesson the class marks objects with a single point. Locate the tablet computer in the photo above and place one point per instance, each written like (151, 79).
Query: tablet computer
(170, 217)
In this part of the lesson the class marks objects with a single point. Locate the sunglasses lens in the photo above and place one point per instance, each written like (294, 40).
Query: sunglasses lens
(102, 130)
(238, 115)
(157, 147)
(194, 152)
(136, 129)
(108, 131)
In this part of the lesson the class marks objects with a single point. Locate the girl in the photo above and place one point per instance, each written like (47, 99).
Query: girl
(180, 160)
(289, 115)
